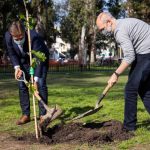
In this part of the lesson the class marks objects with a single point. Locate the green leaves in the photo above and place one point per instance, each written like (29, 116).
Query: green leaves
(138, 9)
(31, 22)
(39, 57)
(22, 17)
(31, 87)
(34, 62)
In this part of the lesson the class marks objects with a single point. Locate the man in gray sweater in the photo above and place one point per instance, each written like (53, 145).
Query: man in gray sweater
(133, 35)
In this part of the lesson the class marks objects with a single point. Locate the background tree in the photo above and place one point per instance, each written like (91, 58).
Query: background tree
(116, 8)
(8, 10)
(96, 7)
(139, 9)
(44, 13)
(81, 17)
(41, 10)
(72, 23)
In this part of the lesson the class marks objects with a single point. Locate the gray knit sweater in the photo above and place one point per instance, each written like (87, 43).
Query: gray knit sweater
(133, 35)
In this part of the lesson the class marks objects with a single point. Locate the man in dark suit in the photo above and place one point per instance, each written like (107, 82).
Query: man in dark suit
(17, 45)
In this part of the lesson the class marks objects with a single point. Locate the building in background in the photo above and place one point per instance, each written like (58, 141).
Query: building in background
(59, 50)
(61, 46)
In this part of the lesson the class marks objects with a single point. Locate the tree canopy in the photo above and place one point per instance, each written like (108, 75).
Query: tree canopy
(71, 16)
(139, 9)
(41, 10)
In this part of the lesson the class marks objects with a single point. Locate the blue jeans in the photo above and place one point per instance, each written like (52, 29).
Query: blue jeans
(138, 83)
(24, 93)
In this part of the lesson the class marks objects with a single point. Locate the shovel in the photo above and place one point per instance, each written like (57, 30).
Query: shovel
(51, 114)
(97, 107)
(23, 79)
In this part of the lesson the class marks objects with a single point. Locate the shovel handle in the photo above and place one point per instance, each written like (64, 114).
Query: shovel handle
(103, 95)
(41, 101)
(106, 89)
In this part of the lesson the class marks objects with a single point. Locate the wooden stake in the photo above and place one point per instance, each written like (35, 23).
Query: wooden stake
(32, 77)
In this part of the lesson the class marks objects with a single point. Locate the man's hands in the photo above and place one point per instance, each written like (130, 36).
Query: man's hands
(113, 79)
(18, 73)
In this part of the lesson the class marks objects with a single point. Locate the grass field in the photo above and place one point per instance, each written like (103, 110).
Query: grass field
(76, 93)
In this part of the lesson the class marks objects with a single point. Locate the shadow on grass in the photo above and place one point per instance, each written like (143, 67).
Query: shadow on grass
(144, 124)
(66, 81)
(71, 79)
(8, 103)
(6, 76)
(80, 110)
(84, 74)
(82, 81)
(75, 110)
(141, 109)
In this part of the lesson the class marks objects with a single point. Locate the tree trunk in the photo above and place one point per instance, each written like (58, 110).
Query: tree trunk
(82, 49)
(93, 34)
(46, 15)
(40, 27)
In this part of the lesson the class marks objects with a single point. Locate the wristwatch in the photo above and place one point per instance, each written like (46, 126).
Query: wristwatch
(117, 74)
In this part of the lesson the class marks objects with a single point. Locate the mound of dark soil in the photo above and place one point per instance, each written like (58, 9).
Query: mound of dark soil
(92, 133)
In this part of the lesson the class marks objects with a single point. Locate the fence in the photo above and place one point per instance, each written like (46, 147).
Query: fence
(68, 67)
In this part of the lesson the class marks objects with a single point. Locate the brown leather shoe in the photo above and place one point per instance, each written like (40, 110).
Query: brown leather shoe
(24, 119)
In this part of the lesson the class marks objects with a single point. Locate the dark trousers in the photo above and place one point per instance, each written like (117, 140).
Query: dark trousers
(24, 93)
(138, 83)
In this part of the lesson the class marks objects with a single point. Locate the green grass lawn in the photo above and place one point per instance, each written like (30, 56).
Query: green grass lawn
(75, 93)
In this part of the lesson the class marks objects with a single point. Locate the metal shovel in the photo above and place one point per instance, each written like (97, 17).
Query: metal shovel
(52, 113)
(97, 107)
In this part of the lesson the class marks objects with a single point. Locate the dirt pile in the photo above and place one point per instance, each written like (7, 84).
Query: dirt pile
(92, 133)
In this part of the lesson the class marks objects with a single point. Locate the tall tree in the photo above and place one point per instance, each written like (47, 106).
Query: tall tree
(81, 18)
(71, 24)
(8, 10)
(116, 8)
(139, 9)
(43, 11)
(96, 6)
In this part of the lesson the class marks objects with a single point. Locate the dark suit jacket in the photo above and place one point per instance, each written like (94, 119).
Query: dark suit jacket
(16, 56)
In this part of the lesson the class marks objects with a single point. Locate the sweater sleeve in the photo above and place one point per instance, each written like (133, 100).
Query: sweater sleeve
(126, 44)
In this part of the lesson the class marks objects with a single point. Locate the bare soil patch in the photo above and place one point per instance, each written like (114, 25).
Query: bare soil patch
(91, 133)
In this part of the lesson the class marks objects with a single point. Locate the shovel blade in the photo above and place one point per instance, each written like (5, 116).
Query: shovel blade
(88, 113)
(50, 116)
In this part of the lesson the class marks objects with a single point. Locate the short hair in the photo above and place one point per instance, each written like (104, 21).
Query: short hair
(16, 27)
(107, 15)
